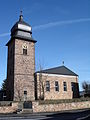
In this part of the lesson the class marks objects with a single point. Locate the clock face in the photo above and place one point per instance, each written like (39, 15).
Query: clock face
(24, 46)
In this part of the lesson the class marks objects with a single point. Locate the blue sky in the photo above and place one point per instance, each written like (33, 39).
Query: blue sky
(61, 28)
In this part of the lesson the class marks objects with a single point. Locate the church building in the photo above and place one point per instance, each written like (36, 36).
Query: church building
(23, 83)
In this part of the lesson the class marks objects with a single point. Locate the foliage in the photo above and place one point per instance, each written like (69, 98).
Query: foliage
(4, 85)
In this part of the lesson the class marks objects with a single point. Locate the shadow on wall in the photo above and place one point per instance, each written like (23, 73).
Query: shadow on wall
(2, 95)
(75, 89)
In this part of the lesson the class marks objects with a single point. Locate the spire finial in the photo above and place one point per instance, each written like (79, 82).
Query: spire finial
(21, 16)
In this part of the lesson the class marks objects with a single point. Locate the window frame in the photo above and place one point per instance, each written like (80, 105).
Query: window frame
(48, 86)
(25, 92)
(24, 51)
(56, 86)
(65, 86)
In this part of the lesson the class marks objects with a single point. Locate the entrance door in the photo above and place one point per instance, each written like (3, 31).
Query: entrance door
(27, 105)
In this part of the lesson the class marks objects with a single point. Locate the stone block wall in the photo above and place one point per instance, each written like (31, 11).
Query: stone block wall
(59, 107)
(24, 70)
(9, 109)
(61, 94)
(20, 70)
(47, 107)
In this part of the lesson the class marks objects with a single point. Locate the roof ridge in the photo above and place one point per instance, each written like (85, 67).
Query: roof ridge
(62, 70)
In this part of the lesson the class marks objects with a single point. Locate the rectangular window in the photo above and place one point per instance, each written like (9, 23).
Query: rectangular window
(24, 51)
(65, 86)
(47, 86)
(56, 86)
(25, 92)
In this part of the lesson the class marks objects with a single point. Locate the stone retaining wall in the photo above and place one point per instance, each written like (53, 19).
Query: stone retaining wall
(47, 107)
(59, 107)
(9, 109)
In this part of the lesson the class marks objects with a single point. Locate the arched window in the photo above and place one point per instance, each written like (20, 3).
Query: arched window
(24, 51)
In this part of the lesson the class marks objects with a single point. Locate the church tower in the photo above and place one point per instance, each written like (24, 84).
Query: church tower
(21, 63)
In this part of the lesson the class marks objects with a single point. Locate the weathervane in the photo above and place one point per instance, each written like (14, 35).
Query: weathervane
(21, 16)
(63, 62)
(21, 12)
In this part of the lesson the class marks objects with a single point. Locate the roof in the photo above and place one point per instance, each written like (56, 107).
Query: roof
(61, 70)
(21, 30)
(20, 22)
(21, 38)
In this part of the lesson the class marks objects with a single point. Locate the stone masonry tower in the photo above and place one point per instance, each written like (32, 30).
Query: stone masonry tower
(21, 63)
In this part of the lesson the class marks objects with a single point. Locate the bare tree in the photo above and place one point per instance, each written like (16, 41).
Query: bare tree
(41, 83)
(18, 88)
(86, 88)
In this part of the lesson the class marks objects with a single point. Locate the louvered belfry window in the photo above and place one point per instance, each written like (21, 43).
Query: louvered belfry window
(24, 50)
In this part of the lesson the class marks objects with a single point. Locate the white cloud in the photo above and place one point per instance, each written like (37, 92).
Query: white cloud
(58, 23)
(4, 34)
(52, 24)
